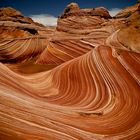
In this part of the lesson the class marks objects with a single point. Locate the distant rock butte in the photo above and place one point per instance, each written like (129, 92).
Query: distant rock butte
(11, 14)
(74, 10)
(73, 18)
(77, 81)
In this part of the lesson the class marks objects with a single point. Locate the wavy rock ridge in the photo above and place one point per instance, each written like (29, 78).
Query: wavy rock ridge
(91, 94)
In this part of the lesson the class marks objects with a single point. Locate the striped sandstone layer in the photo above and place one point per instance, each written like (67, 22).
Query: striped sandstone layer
(95, 96)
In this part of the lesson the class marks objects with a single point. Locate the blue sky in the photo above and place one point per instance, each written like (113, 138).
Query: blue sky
(38, 9)
(55, 7)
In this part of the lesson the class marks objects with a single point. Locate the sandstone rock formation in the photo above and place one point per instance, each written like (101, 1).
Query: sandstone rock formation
(78, 31)
(126, 12)
(80, 81)
(21, 38)
(11, 14)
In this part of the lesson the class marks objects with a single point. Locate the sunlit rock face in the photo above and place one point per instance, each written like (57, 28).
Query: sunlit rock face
(78, 81)
(128, 35)
(126, 12)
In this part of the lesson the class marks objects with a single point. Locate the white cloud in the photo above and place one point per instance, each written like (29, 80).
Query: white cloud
(114, 11)
(45, 19)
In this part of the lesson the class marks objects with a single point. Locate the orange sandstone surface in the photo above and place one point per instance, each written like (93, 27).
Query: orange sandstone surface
(78, 81)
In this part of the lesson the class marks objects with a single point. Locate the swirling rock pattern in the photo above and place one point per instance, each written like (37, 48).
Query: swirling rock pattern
(104, 105)
(92, 94)
(58, 52)
(21, 48)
